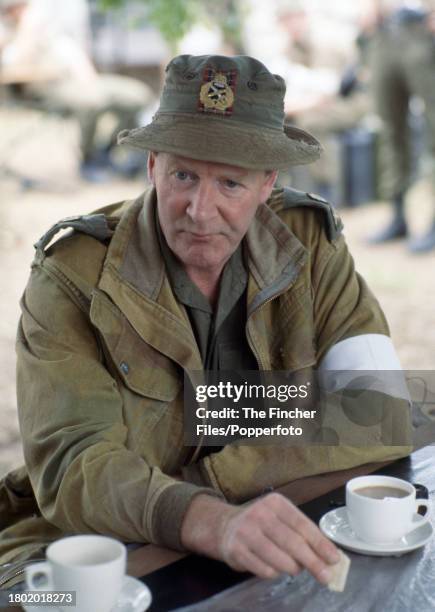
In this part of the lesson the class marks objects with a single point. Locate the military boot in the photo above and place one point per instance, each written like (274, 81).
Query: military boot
(397, 228)
(423, 243)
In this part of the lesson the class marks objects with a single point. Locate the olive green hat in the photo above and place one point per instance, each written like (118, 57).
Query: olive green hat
(227, 110)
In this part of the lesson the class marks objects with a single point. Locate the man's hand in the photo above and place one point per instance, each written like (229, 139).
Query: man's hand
(268, 537)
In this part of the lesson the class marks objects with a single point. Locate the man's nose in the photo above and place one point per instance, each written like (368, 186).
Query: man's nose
(202, 203)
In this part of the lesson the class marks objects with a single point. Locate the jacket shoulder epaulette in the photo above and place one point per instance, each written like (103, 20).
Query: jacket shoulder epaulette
(287, 198)
(76, 258)
(100, 225)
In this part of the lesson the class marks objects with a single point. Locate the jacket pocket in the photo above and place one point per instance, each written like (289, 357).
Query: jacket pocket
(141, 368)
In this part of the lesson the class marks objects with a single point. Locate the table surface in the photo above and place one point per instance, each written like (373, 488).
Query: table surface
(404, 583)
(177, 580)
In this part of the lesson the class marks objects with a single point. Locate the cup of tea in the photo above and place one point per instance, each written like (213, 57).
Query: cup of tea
(383, 509)
(91, 566)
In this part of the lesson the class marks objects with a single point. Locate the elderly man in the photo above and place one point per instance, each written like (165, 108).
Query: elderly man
(212, 268)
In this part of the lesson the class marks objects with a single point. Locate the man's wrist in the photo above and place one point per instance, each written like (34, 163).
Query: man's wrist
(204, 523)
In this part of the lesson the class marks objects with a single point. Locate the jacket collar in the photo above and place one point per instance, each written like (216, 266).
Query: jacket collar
(275, 257)
(134, 254)
(134, 273)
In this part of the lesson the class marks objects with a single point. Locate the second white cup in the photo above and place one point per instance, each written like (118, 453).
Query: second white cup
(383, 509)
(91, 565)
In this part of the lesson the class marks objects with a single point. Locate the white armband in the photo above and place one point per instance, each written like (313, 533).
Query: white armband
(343, 364)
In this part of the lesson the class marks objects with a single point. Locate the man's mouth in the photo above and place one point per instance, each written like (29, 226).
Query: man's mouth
(196, 236)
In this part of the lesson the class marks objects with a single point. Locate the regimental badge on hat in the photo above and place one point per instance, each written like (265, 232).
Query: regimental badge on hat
(217, 91)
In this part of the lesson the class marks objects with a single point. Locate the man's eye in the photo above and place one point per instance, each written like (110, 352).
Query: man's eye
(181, 175)
(231, 184)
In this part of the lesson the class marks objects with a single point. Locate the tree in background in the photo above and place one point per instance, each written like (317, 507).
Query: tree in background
(174, 18)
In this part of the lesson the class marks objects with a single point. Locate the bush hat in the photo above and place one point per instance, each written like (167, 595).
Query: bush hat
(224, 109)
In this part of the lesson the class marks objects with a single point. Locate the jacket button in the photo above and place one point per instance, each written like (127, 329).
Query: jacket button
(125, 368)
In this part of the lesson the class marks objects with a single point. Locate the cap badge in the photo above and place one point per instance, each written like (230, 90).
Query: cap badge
(217, 92)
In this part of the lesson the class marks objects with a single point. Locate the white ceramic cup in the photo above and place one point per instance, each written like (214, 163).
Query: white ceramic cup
(383, 521)
(91, 565)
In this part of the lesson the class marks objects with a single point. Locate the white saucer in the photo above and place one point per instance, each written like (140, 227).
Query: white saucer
(135, 596)
(335, 525)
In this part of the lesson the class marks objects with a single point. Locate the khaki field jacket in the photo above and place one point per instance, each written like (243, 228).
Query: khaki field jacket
(102, 346)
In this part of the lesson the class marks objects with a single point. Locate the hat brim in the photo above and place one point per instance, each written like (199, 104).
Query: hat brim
(220, 139)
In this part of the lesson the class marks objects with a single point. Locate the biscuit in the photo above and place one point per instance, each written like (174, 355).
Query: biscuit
(339, 573)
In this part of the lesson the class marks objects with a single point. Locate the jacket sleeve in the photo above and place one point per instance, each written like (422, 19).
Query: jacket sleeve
(84, 477)
(343, 304)
(343, 309)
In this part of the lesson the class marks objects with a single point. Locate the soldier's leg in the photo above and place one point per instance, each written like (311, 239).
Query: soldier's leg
(87, 105)
(420, 65)
(391, 95)
(83, 103)
(125, 97)
(327, 123)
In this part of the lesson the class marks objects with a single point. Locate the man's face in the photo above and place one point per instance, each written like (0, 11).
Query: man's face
(205, 208)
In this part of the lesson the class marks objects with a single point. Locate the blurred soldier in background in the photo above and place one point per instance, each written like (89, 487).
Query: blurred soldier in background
(403, 65)
(49, 39)
(320, 98)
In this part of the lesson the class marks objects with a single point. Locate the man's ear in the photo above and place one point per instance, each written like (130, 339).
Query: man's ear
(151, 162)
(268, 184)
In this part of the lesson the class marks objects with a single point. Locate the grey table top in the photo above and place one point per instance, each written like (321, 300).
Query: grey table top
(374, 584)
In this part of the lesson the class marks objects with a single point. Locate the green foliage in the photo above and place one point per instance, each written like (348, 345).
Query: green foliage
(228, 15)
(174, 18)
